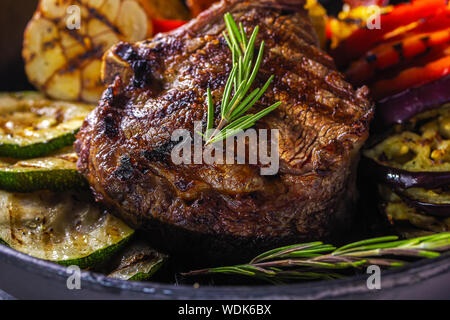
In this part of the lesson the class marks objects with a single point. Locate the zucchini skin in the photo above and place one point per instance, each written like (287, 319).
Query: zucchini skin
(138, 261)
(27, 110)
(39, 149)
(98, 257)
(142, 276)
(28, 226)
(30, 181)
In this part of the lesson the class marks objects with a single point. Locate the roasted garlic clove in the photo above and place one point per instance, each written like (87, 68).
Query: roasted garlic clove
(65, 40)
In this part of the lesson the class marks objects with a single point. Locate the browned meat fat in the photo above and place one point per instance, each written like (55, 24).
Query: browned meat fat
(228, 212)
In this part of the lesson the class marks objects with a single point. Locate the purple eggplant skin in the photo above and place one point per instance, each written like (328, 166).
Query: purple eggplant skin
(432, 209)
(401, 107)
(403, 179)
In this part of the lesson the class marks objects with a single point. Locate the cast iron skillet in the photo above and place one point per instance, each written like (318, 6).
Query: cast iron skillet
(26, 277)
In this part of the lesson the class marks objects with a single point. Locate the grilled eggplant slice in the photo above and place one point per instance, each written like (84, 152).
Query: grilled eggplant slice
(398, 211)
(65, 40)
(32, 126)
(400, 108)
(438, 196)
(404, 179)
(56, 172)
(415, 158)
(66, 228)
(433, 202)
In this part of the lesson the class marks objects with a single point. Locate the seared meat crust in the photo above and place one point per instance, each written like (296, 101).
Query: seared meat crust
(159, 85)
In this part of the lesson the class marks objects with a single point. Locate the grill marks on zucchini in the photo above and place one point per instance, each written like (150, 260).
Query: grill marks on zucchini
(32, 126)
(56, 172)
(37, 159)
(66, 228)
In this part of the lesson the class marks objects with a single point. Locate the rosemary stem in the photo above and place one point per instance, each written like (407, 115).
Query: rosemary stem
(223, 122)
(309, 261)
(236, 104)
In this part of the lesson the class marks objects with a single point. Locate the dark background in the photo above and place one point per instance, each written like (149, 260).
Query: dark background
(14, 16)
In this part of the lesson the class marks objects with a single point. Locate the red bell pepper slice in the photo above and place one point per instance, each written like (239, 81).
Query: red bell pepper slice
(435, 53)
(411, 78)
(439, 21)
(166, 25)
(389, 54)
(362, 40)
(359, 3)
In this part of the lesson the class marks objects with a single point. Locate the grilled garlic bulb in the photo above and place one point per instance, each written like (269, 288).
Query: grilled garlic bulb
(65, 40)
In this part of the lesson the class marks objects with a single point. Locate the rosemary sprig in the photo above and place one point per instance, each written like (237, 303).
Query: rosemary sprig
(235, 100)
(315, 260)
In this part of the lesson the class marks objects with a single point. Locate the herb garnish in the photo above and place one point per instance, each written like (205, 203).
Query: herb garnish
(239, 81)
(315, 260)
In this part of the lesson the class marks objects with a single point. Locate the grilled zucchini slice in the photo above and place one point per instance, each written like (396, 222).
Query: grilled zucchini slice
(32, 126)
(56, 172)
(137, 262)
(66, 228)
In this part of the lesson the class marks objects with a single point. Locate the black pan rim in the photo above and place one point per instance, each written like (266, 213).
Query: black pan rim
(327, 289)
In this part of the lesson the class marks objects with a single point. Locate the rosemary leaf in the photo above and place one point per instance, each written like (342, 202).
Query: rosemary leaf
(364, 242)
(315, 260)
(235, 101)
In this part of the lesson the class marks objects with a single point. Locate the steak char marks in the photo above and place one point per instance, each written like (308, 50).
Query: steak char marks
(226, 212)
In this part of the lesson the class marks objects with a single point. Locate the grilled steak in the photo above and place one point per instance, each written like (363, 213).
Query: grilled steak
(226, 211)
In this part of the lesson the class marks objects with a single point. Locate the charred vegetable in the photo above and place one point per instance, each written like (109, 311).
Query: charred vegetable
(403, 179)
(136, 262)
(412, 77)
(400, 108)
(32, 126)
(433, 202)
(65, 41)
(399, 211)
(55, 172)
(348, 21)
(62, 227)
(413, 166)
(415, 159)
(363, 39)
(393, 53)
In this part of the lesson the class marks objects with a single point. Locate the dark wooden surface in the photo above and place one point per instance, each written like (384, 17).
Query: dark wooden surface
(14, 16)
